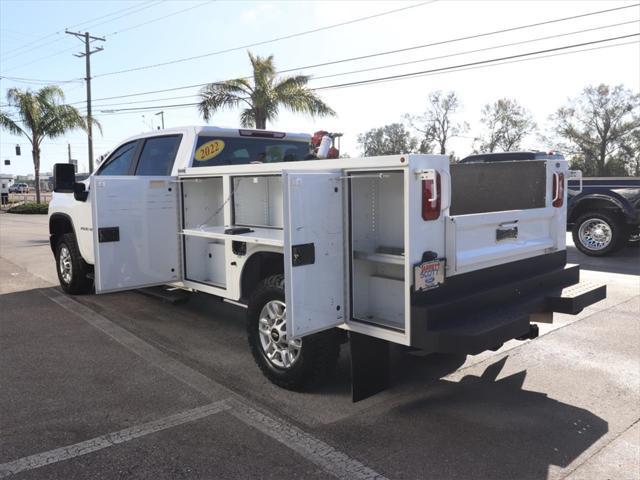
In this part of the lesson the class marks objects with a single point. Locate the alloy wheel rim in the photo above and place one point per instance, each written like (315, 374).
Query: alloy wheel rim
(66, 269)
(276, 345)
(595, 234)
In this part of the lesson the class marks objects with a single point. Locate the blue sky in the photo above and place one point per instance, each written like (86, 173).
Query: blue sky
(33, 46)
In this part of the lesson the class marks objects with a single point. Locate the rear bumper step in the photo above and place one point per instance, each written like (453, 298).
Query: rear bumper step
(484, 320)
(574, 299)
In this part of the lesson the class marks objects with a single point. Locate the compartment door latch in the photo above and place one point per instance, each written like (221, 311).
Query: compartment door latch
(108, 234)
(303, 254)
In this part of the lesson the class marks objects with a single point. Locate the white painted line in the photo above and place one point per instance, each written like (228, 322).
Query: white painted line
(65, 453)
(314, 450)
(322, 454)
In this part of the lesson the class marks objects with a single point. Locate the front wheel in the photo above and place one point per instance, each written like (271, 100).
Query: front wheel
(598, 234)
(71, 267)
(289, 363)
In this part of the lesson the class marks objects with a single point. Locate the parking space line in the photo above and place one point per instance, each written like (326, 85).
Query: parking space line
(331, 460)
(104, 441)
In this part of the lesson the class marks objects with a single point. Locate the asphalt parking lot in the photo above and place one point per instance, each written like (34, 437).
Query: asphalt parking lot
(125, 386)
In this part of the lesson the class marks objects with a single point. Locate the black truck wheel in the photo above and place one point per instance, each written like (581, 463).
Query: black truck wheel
(289, 363)
(598, 234)
(71, 267)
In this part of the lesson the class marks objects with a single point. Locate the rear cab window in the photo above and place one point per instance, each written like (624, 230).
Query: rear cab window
(212, 150)
(157, 155)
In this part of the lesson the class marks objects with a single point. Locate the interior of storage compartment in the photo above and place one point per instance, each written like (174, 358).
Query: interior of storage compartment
(377, 248)
(205, 260)
(497, 186)
(257, 201)
(203, 201)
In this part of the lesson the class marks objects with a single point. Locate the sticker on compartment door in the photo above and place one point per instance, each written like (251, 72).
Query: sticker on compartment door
(428, 275)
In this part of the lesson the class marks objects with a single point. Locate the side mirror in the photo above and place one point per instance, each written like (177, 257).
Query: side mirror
(80, 192)
(64, 178)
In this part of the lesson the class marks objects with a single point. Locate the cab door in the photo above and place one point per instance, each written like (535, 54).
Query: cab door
(135, 232)
(134, 202)
(313, 251)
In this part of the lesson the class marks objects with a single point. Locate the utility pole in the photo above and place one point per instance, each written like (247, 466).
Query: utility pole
(87, 54)
(69, 151)
(161, 113)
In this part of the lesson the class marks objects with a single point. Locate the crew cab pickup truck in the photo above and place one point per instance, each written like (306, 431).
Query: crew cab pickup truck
(604, 214)
(400, 249)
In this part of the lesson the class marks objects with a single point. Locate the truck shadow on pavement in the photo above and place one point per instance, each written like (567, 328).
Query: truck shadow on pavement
(485, 427)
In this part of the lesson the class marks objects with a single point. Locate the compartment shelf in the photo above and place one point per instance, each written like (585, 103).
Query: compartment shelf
(265, 236)
(379, 257)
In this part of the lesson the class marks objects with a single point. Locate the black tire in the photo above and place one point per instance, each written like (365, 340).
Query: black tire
(78, 283)
(617, 233)
(317, 357)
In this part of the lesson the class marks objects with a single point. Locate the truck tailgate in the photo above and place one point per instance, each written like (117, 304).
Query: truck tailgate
(483, 240)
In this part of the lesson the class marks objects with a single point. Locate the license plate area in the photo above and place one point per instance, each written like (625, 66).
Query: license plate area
(428, 275)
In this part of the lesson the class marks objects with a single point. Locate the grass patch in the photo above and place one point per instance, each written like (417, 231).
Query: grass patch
(30, 208)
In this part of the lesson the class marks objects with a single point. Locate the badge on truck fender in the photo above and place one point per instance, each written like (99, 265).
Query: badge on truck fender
(428, 275)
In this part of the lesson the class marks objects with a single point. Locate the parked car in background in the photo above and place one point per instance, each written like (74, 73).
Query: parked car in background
(19, 188)
(605, 215)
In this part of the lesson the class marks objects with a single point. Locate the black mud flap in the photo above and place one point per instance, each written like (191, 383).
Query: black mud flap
(369, 366)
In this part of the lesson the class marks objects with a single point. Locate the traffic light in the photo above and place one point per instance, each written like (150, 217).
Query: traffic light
(18, 150)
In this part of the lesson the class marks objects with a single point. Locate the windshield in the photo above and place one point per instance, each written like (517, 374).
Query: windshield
(212, 151)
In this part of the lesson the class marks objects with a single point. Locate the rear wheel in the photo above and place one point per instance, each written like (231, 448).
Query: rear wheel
(289, 363)
(71, 267)
(598, 234)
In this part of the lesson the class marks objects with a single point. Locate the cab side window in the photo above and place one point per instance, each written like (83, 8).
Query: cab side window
(158, 155)
(119, 162)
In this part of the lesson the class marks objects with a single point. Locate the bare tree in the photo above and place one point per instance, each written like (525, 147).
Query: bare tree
(600, 124)
(436, 123)
(391, 139)
(507, 123)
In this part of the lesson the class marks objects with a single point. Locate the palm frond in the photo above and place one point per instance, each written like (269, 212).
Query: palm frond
(218, 96)
(9, 124)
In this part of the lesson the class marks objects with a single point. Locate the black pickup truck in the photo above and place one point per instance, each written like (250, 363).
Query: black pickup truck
(605, 215)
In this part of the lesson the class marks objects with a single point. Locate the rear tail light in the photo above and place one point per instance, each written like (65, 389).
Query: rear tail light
(558, 189)
(431, 198)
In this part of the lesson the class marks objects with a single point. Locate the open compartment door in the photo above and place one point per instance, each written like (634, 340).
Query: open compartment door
(135, 232)
(313, 251)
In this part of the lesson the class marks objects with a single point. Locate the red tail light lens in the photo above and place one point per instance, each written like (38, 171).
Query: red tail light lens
(558, 189)
(430, 199)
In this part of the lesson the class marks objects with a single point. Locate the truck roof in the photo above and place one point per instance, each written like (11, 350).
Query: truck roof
(224, 132)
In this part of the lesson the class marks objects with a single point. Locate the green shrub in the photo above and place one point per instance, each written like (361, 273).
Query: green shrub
(30, 208)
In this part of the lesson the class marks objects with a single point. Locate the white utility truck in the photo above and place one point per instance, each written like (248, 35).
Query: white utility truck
(403, 249)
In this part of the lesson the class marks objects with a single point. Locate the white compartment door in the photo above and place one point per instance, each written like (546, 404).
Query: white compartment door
(313, 251)
(135, 232)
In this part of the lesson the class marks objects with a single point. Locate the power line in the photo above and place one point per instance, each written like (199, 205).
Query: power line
(459, 67)
(37, 80)
(459, 39)
(361, 70)
(485, 34)
(72, 26)
(494, 47)
(161, 18)
(264, 42)
(510, 57)
(396, 64)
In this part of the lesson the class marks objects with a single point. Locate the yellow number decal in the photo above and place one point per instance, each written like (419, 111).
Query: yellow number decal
(209, 150)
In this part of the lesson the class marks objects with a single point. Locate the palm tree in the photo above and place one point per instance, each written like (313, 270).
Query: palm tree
(40, 115)
(263, 97)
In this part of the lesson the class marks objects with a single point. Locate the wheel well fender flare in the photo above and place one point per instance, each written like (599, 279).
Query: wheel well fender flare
(59, 224)
(594, 201)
